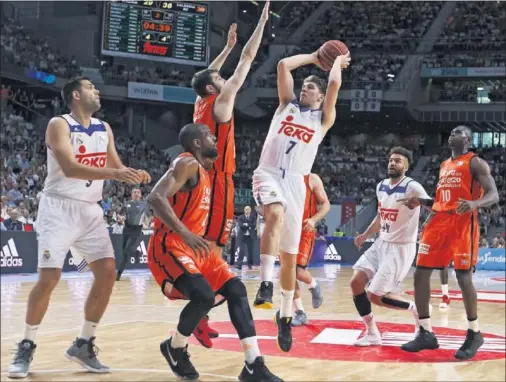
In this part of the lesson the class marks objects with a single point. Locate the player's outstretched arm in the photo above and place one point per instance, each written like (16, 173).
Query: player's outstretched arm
(335, 82)
(113, 159)
(481, 172)
(224, 104)
(285, 79)
(231, 41)
(57, 138)
(174, 179)
(321, 198)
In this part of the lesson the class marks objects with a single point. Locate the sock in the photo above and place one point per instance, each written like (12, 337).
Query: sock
(286, 303)
(313, 283)
(250, 347)
(412, 308)
(31, 332)
(444, 289)
(88, 330)
(425, 323)
(298, 304)
(178, 340)
(473, 325)
(370, 323)
(266, 267)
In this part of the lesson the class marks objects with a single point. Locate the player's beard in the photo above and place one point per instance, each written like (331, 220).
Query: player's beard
(393, 173)
(211, 153)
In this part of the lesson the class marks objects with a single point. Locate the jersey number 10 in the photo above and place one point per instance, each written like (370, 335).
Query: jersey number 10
(446, 195)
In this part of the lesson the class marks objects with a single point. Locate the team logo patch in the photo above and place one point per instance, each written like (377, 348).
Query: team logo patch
(333, 341)
(423, 249)
(46, 254)
(493, 296)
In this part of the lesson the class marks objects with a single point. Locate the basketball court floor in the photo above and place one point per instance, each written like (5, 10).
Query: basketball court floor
(139, 318)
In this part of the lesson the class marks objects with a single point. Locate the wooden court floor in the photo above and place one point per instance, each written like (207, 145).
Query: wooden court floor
(139, 318)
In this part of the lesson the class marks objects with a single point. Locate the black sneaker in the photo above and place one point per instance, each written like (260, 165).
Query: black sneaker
(22, 360)
(263, 299)
(284, 332)
(423, 340)
(473, 342)
(257, 372)
(179, 361)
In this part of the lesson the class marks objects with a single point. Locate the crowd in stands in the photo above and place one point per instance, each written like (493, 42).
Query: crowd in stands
(464, 60)
(29, 51)
(467, 91)
(474, 26)
(375, 26)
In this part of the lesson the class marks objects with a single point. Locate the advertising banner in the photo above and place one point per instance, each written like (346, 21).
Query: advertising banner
(491, 259)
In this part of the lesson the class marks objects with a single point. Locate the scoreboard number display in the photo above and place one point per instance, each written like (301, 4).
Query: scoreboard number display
(169, 31)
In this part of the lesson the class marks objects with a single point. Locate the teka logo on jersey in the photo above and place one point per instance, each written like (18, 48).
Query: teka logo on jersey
(293, 130)
(333, 341)
(92, 159)
(389, 214)
(9, 256)
(154, 49)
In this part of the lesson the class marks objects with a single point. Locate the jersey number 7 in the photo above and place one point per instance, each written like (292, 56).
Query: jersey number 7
(291, 146)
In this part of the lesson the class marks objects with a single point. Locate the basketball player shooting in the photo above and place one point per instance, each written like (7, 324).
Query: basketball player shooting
(289, 151)
(187, 266)
(451, 232)
(215, 108)
(316, 207)
(80, 155)
(387, 262)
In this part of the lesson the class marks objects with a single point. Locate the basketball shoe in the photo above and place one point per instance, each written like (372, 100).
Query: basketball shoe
(445, 303)
(203, 333)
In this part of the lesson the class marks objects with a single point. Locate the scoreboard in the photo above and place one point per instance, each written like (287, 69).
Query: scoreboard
(169, 31)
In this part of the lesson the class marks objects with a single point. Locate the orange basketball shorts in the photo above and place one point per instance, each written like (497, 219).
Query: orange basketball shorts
(448, 237)
(306, 247)
(221, 212)
(169, 258)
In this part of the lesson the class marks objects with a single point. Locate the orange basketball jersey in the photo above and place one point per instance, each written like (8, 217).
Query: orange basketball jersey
(456, 182)
(191, 207)
(224, 133)
(310, 204)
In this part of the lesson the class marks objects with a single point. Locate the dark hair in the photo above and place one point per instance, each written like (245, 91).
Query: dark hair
(201, 79)
(188, 133)
(402, 151)
(69, 87)
(320, 83)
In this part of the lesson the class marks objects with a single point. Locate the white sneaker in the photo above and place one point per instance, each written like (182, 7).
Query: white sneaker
(369, 339)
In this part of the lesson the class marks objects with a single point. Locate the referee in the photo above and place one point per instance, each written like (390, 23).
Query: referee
(135, 210)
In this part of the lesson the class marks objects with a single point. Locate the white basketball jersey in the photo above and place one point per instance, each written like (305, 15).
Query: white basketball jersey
(90, 148)
(399, 224)
(293, 139)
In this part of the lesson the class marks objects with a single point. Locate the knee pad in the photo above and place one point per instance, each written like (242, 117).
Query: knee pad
(234, 289)
(196, 289)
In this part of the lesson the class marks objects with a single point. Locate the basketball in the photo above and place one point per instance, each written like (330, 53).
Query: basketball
(329, 51)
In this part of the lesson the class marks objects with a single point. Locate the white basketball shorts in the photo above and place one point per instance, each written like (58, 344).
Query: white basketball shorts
(270, 186)
(65, 224)
(386, 265)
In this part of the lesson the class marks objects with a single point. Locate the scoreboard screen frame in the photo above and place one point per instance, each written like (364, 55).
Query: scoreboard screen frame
(142, 56)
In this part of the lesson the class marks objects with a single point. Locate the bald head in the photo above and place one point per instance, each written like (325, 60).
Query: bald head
(188, 134)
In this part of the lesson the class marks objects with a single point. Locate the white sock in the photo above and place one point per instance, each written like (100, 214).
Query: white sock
(313, 283)
(370, 323)
(444, 289)
(88, 330)
(298, 304)
(178, 340)
(267, 267)
(250, 348)
(286, 303)
(473, 325)
(425, 323)
(31, 332)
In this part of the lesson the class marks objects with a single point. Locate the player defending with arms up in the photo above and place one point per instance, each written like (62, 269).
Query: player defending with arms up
(387, 262)
(316, 206)
(452, 233)
(80, 155)
(289, 151)
(184, 263)
(215, 108)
